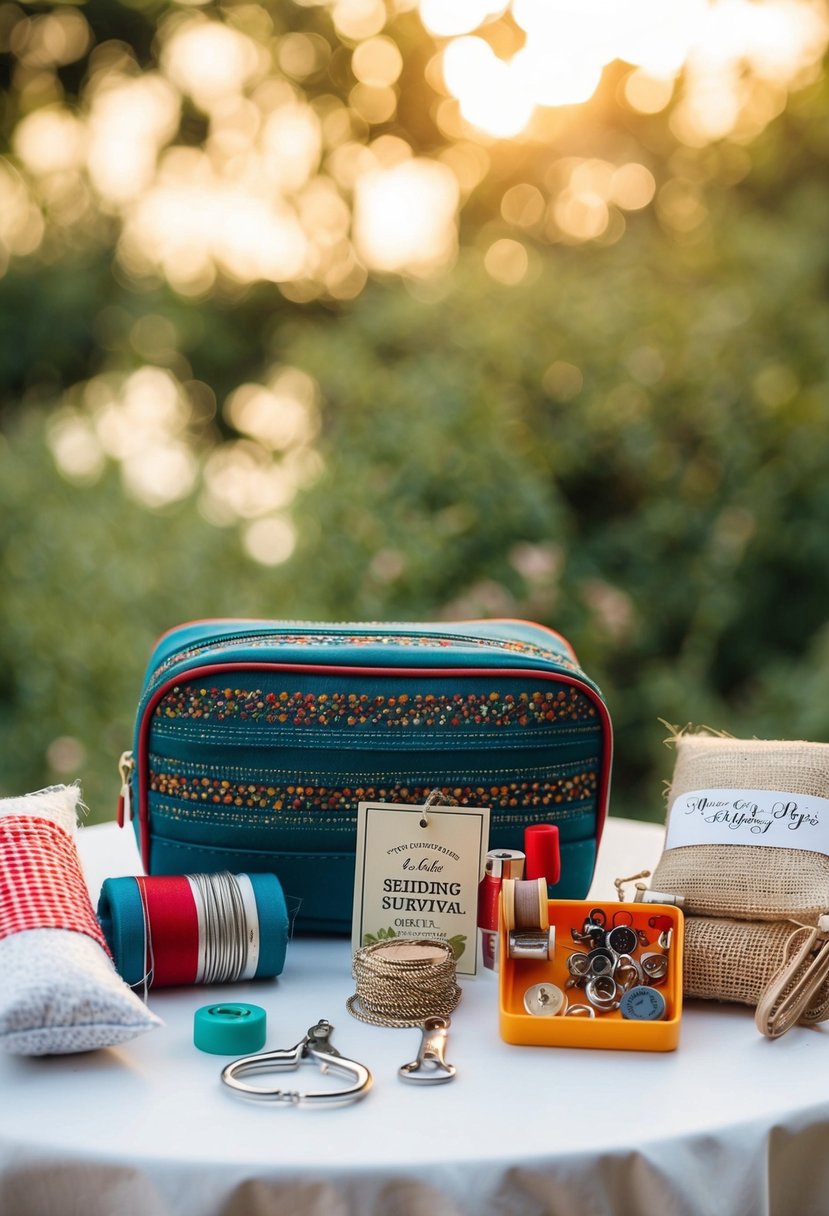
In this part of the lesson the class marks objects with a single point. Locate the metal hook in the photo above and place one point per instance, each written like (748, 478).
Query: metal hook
(314, 1048)
(430, 1067)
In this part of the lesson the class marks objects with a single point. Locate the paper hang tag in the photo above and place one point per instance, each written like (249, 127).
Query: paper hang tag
(757, 817)
(417, 874)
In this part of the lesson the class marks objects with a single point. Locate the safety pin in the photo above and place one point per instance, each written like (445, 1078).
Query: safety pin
(314, 1048)
(430, 1067)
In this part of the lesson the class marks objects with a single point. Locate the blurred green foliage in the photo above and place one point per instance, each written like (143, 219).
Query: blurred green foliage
(630, 444)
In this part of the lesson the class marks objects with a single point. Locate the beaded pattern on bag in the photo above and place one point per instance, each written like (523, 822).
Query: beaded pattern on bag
(349, 710)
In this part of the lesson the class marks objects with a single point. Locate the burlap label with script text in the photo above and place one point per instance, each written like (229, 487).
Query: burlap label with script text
(745, 881)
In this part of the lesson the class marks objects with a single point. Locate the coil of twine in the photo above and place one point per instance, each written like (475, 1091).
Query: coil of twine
(404, 981)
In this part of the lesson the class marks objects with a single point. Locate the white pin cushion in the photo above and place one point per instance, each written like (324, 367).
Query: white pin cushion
(60, 990)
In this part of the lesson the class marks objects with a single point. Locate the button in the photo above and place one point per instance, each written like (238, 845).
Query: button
(622, 940)
(643, 1004)
(544, 1000)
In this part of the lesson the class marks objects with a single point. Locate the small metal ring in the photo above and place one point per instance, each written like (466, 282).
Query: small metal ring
(654, 967)
(578, 964)
(601, 960)
(603, 993)
(630, 969)
(580, 1011)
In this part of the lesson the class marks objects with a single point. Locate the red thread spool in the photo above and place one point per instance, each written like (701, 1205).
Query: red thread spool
(171, 917)
(168, 930)
(541, 846)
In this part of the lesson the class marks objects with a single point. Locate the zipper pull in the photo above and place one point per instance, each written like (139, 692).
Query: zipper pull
(126, 765)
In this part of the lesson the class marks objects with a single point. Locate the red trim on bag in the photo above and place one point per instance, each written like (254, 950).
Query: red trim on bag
(41, 882)
(195, 673)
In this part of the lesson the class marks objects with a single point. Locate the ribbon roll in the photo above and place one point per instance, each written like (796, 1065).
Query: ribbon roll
(165, 931)
(526, 918)
(525, 903)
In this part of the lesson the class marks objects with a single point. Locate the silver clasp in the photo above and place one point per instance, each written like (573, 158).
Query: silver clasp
(430, 1067)
(314, 1048)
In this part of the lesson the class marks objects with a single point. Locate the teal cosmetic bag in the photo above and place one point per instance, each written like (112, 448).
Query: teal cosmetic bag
(255, 742)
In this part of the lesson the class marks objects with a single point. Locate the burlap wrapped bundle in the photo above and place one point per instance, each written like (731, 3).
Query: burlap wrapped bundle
(744, 881)
(737, 960)
(732, 960)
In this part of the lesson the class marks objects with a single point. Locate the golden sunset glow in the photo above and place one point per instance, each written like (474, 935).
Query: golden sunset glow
(569, 43)
(291, 191)
(305, 173)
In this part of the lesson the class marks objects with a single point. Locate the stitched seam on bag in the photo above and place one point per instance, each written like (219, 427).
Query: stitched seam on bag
(252, 818)
(402, 776)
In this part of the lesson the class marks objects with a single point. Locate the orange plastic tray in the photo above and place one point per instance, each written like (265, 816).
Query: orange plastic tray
(606, 1030)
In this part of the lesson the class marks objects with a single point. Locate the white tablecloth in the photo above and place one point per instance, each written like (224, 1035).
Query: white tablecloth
(730, 1123)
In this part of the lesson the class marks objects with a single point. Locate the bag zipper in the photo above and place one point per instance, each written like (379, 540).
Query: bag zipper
(126, 767)
(233, 639)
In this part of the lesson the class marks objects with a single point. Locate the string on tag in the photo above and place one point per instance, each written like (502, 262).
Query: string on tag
(435, 797)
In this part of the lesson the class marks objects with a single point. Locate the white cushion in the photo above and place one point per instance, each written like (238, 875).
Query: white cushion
(59, 990)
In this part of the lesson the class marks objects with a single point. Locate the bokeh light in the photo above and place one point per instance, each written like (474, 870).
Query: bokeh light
(405, 217)
(301, 180)
(569, 43)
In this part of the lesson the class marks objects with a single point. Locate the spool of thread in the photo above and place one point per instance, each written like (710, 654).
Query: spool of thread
(403, 982)
(230, 1029)
(526, 917)
(541, 845)
(165, 931)
(525, 904)
(500, 864)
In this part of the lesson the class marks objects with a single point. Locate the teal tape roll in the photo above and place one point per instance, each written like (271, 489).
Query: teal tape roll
(230, 1029)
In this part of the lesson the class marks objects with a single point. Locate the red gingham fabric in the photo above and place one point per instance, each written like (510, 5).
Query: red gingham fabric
(41, 882)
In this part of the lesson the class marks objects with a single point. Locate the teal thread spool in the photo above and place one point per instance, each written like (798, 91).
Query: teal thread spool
(156, 936)
(230, 1029)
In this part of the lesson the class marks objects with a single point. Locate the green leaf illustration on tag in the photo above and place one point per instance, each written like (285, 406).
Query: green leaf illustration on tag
(458, 944)
(382, 935)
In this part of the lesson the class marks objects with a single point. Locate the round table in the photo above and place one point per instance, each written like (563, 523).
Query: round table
(728, 1123)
